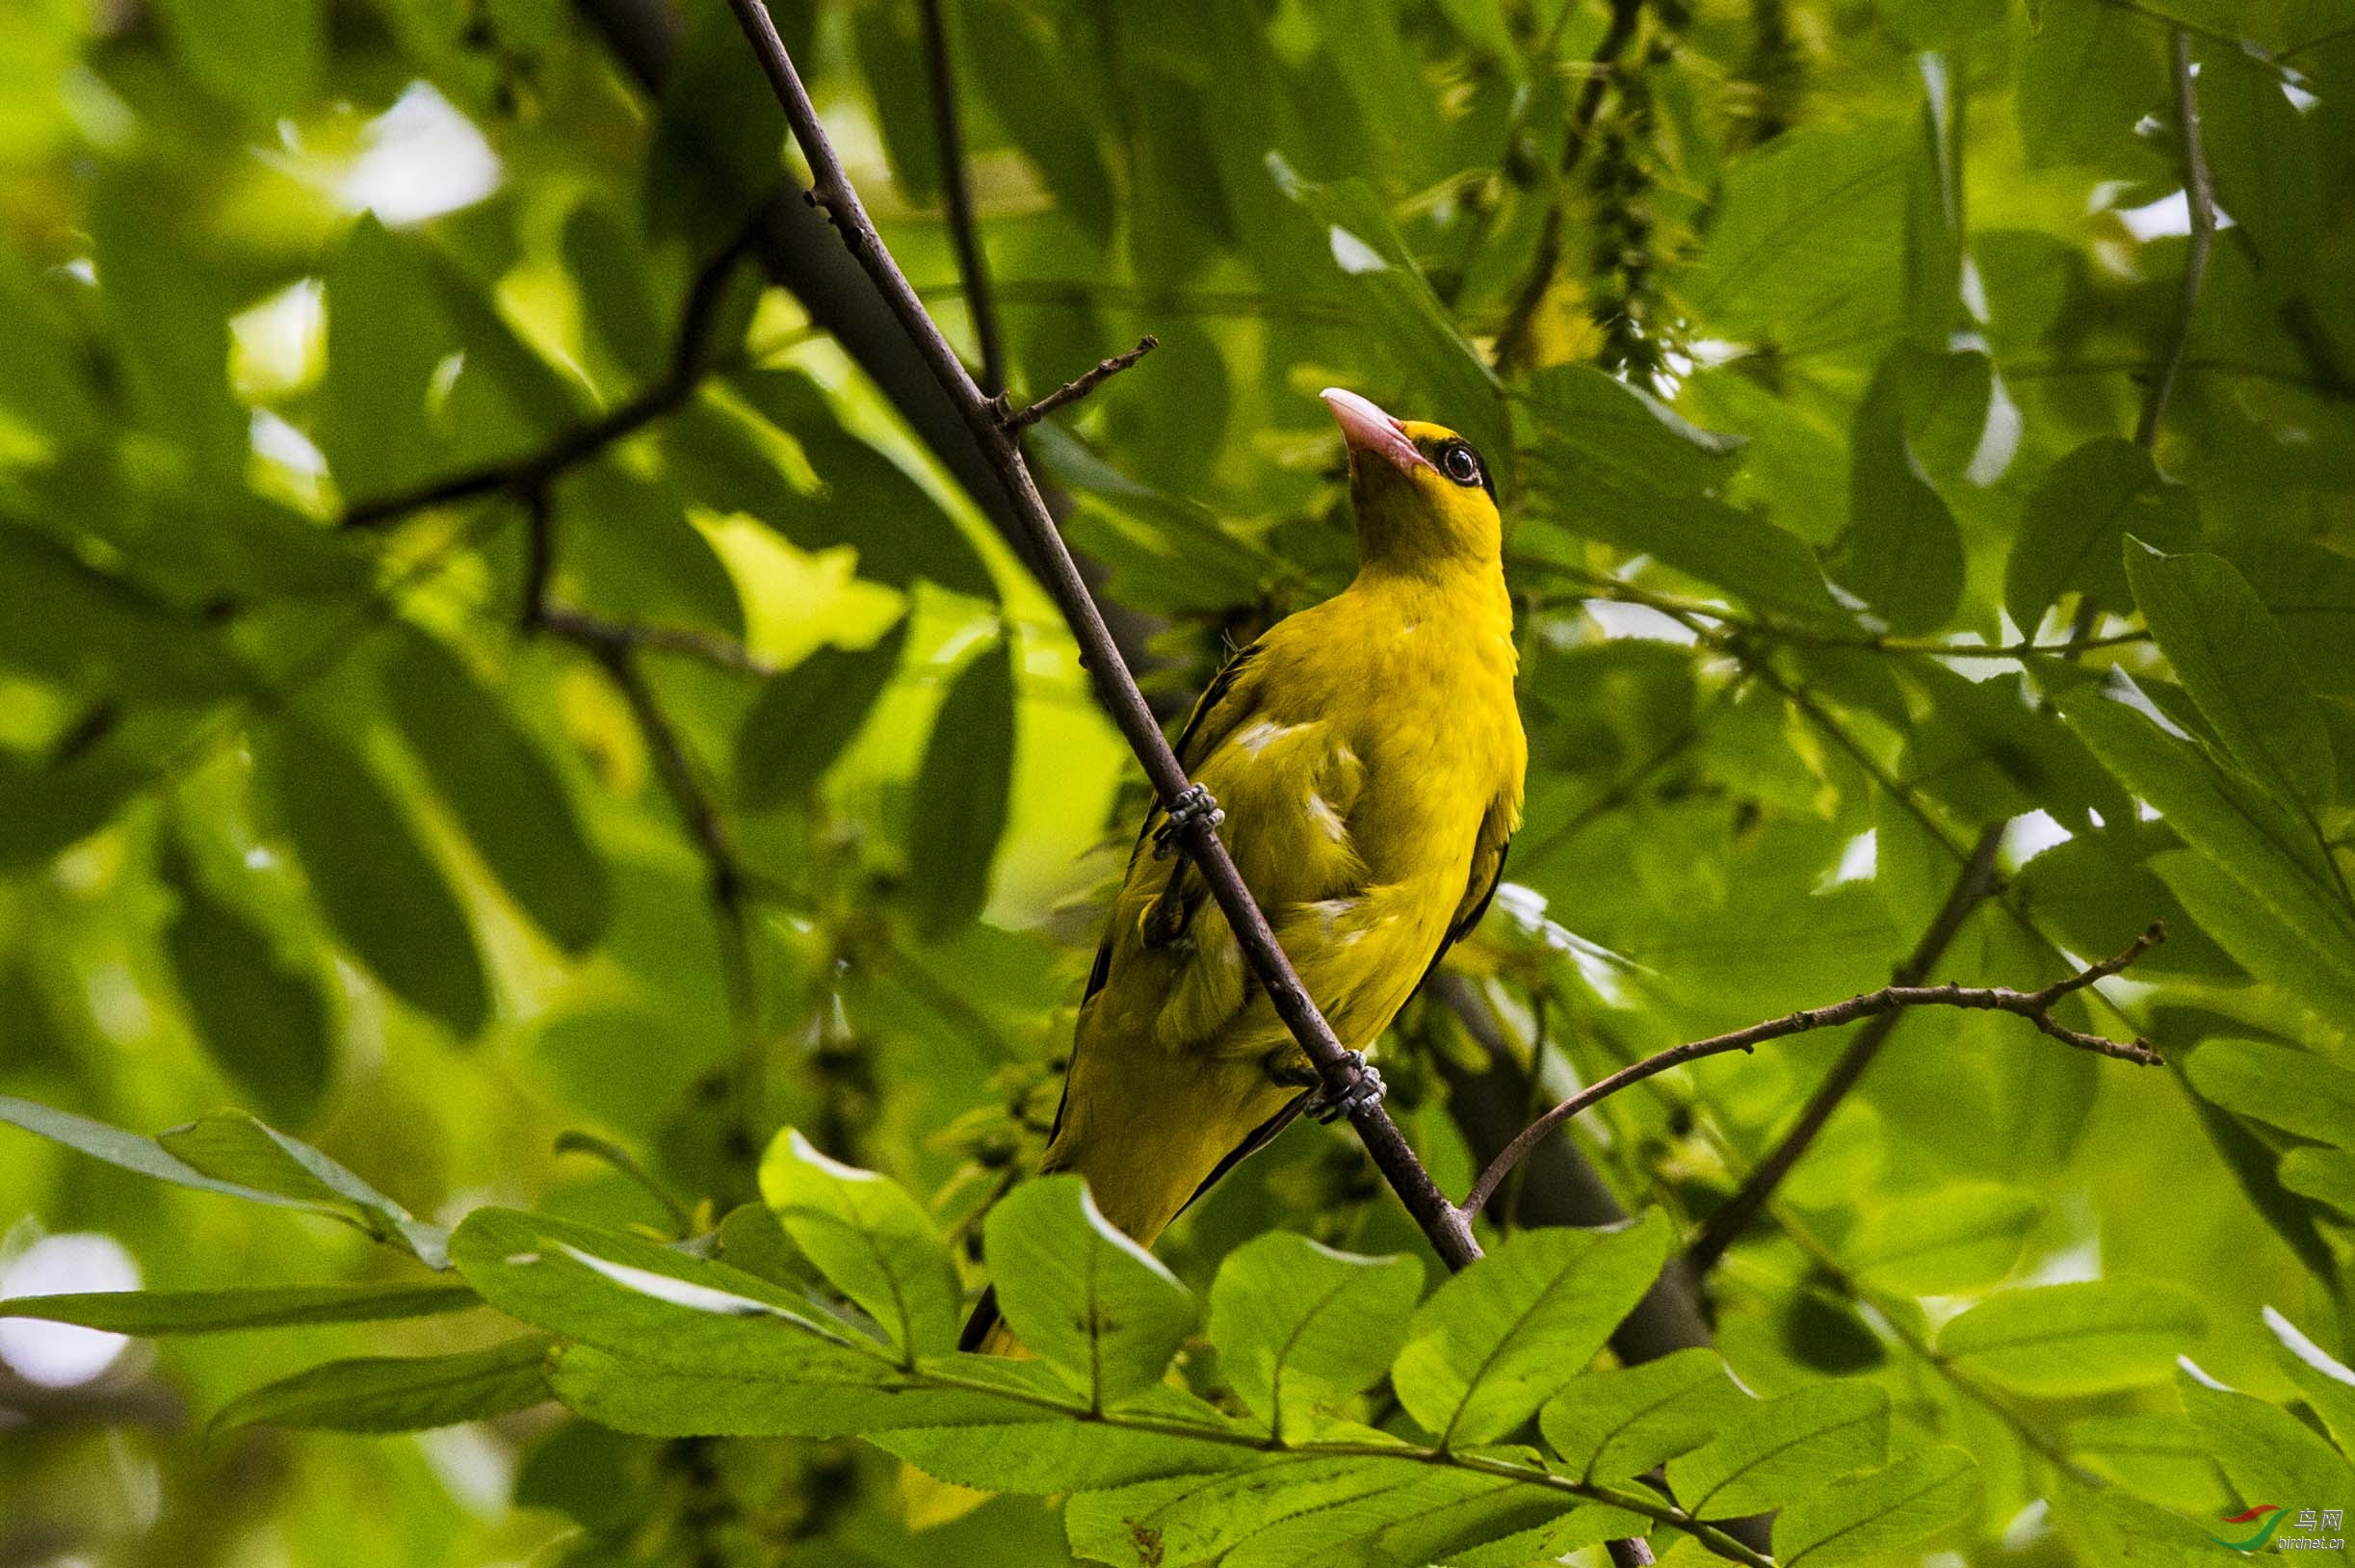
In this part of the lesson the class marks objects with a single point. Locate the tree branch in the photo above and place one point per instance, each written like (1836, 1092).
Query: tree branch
(956, 195)
(2200, 196)
(1617, 590)
(706, 647)
(1078, 387)
(1725, 1226)
(843, 302)
(1559, 1187)
(831, 190)
(724, 881)
(692, 357)
(2036, 1006)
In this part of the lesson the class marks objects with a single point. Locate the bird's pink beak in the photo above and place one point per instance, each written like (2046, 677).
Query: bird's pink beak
(1367, 429)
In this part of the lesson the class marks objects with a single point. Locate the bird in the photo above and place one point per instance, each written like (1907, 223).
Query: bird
(1363, 761)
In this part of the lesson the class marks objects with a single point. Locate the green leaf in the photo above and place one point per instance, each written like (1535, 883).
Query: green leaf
(655, 1303)
(717, 136)
(1886, 1510)
(1932, 24)
(1037, 83)
(2328, 1382)
(2266, 160)
(388, 337)
(502, 787)
(871, 1240)
(868, 500)
(269, 1306)
(2264, 1450)
(1304, 1509)
(2325, 1175)
(2295, 1090)
(2236, 667)
(264, 1021)
(709, 1389)
(1081, 1296)
(1449, 382)
(2088, 71)
(1024, 1448)
(169, 319)
(1300, 1327)
(389, 1394)
(1962, 1237)
(1905, 551)
(1783, 1449)
(1799, 253)
(2311, 592)
(2246, 838)
(1497, 1341)
(806, 717)
(1608, 462)
(379, 888)
(1610, 1426)
(2089, 1337)
(2071, 534)
(231, 1146)
(2309, 966)
(261, 55)
(97, 632)
(607, 260)
(892, 61)
(963, 792)
(145, 1156)
(1588, 1526)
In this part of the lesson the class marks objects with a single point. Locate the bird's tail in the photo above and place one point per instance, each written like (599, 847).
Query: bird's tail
(987, 1331)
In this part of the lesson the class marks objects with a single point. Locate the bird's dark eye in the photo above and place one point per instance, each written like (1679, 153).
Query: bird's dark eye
(1460, 463)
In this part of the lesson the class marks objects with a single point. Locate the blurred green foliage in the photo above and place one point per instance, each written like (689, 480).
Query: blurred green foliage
(1809, 340)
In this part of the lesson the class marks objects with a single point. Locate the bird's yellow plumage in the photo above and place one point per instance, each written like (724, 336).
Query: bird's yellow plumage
(1369, 757)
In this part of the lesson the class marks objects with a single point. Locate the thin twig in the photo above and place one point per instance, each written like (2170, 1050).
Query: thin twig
(1091, 294)
(2036, 1006)
(2316, 42)
(956, 195)
(1725, 1226)
(1617, 590)
(708, 648)
(832, 190)
(1078, 387)
(2200, 195)
(690, 361)
(725, 881)
(573, 1140)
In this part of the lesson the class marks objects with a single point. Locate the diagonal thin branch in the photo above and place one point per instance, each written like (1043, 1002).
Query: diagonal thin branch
(1725, 1226)
(956, 195)
(692, 359)
(831, 190)
(2036, 1006)
(2200, 195)
(1076, 388)
(725, 881)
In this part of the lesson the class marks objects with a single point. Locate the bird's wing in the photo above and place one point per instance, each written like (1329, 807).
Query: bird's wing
(1488, 853)
(1224, 704)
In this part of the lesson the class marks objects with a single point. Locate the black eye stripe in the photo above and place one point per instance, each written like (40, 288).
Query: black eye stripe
(1459, 462)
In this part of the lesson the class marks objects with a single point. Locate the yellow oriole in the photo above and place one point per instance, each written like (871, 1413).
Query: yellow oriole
(1367, 756)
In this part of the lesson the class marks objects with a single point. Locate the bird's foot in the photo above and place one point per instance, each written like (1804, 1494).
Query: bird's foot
(1368, 1090)
(1194, 805)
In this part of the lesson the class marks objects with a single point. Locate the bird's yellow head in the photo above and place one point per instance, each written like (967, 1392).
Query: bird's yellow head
(1423, 497)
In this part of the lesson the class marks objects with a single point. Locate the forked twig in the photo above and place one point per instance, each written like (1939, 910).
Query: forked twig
(2036, 1006)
